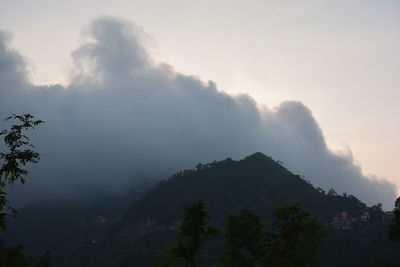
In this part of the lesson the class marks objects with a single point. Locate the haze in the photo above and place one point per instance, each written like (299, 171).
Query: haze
(340, 59)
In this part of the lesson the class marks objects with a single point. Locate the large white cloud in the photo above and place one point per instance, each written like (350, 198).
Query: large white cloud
(123, 117)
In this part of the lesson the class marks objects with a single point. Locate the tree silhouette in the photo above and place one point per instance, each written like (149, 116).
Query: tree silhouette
(394, 228)
(293, 244)
(193, 231)
(44, 260)
(244, 238)
(296, 241)
(17, 154)
(12, 256)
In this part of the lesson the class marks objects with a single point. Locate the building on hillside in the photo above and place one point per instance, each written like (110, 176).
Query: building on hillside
(342, 222)
(365, 217)
(388, 217)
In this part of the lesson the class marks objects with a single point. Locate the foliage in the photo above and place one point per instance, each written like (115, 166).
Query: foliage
(12, 256)
(193, 231)
(45, 260)
(394, 228)
(375, 213)
(294, 243)
(244, 238)
(18, 154)
(256, 183)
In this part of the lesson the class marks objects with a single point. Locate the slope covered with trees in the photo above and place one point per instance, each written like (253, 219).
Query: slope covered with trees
(257, 183)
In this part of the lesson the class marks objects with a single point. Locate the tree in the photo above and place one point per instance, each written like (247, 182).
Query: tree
(296, 240)
(12, 256)
(44, 260)
(332, 193)
(394, 227)
(376, 213)
(294, 243)
(193, 231)
(17, 154)
(244, 238)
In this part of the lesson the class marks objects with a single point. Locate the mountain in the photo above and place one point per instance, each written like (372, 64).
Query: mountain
(257, 183)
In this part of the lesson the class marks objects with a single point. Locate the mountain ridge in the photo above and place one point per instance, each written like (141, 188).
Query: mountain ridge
(257, 183)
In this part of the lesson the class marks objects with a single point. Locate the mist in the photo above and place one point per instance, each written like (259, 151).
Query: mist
(124, 117)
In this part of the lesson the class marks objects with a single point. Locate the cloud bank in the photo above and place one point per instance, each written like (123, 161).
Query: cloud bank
(123, 117)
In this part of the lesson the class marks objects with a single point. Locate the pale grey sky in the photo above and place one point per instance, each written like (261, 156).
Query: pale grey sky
(340, 58)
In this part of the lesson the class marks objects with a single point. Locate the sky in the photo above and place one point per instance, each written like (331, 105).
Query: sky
(340, 59)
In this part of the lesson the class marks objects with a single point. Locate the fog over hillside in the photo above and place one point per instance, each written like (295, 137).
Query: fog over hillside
(124, 117)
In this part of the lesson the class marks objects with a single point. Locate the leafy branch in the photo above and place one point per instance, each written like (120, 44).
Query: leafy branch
(17, 155)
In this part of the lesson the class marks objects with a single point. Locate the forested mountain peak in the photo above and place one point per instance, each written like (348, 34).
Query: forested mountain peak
(256, 182)
(258, 157)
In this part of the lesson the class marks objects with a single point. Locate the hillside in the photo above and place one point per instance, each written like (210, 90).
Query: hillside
(257, 183)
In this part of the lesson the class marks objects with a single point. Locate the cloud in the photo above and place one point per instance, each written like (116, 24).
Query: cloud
(123, 117)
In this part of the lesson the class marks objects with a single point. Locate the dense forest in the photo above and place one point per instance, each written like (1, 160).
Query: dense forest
(110, 232)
